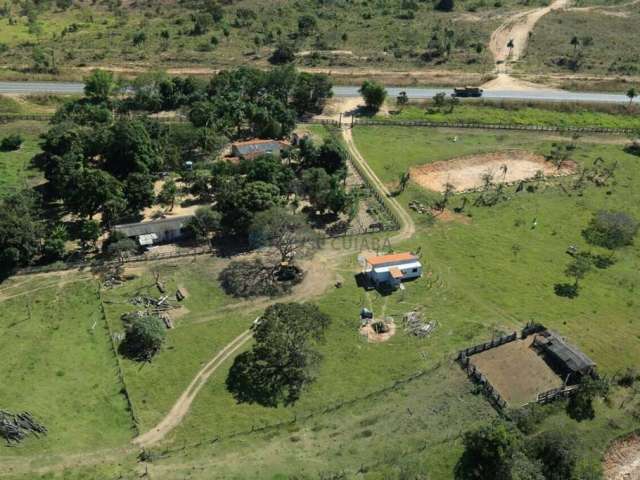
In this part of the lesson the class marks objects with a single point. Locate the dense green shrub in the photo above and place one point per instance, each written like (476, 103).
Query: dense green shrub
(11, 143)
(611, 229)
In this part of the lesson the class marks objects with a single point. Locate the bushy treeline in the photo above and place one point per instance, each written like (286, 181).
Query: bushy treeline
(104, 152)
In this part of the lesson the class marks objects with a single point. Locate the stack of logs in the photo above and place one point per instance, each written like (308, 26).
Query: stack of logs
(15, 427)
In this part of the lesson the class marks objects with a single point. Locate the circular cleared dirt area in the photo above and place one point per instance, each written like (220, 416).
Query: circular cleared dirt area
(622, 460)
(467, 173)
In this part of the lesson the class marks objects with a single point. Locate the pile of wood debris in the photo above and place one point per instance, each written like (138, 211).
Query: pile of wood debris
(415, 324)
(15, 427)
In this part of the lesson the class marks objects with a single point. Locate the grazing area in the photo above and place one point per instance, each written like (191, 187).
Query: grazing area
(16, 171)
(517, 371)
(470, 172)
(60, 367)
(522, 113)
(601, 46)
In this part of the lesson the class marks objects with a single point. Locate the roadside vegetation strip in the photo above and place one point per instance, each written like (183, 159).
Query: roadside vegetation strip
(497, 126)
(181, 407)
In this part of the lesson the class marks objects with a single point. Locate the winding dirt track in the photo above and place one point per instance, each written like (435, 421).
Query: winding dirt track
(182, 406)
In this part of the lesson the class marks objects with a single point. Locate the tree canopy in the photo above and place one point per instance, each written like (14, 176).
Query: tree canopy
(283, 358)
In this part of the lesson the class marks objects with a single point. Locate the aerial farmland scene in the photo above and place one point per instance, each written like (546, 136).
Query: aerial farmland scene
(320, 239)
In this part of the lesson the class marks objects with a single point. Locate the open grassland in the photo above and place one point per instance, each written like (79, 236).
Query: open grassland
(205, 323)
(58, 364)
(16, 172)
(518, 114)
(607, 42)
(517, 282)
(388, 35)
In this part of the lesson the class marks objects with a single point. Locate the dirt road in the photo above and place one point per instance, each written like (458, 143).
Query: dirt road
(182, 406)
(517, 28)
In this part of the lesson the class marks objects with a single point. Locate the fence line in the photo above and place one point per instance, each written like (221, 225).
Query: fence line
(114, 348)
(555, 393)
(497, 126)
(496, 342)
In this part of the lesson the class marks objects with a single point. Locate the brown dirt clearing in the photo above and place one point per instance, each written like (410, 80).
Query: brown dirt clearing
(466, 173)
(373, 337)
(516, 371)
(622, 460)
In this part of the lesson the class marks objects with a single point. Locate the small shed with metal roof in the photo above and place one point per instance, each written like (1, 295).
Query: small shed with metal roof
(164, 230)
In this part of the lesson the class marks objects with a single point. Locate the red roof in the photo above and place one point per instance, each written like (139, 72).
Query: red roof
(395, 273)
(391, 258)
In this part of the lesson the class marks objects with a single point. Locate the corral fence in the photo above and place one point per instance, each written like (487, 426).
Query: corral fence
(476, 375)
(496, 342)
(498, 126)
(555, 393)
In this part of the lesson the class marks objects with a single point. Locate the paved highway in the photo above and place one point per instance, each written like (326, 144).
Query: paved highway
(340, 91)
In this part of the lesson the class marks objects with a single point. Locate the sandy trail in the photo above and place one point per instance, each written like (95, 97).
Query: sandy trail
(318, 278)
(517, 28)
(182, 406)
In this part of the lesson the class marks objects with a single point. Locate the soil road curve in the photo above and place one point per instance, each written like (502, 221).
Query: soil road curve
(182, 406)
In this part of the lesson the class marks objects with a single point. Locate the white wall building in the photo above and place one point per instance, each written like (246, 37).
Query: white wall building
(391, 270)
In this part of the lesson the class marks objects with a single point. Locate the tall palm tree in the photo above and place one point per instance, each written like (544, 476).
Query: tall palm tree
(631, 94)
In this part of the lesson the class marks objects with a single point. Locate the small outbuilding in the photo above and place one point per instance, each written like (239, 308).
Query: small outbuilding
(564, 357)
(391, 270)
(164, 230)
(252, 149)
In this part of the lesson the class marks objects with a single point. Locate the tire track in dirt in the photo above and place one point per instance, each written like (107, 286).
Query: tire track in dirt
(183, 405)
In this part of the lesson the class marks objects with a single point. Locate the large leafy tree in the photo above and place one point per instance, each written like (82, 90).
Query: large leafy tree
(89, 190)
(373, 94)
(20, 231)
(283, 359)
(131, 150)
(139, 192)
(611, 229)
(99, 86)
(310, 93)
(489, 452)
(557, 452)
(281, 229)
(238, 202)
(144, 338)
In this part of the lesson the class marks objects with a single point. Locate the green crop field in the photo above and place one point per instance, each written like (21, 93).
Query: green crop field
(16, 172)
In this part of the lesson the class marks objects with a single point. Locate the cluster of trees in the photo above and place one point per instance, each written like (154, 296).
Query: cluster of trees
(100, 162)
(250, 102)
(500, 451)
(284, 357)
(611, 230)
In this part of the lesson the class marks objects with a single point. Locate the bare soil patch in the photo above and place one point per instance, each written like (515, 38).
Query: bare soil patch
(517, 371)
(374, 337)
(466, 173)
(622, 460)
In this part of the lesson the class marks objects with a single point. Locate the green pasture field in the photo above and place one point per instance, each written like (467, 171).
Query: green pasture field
(468, 112)
(58, 364)
(388, 410)
(16, 172)
(206, 322)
